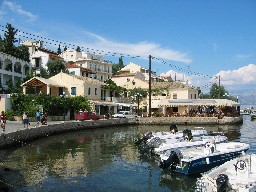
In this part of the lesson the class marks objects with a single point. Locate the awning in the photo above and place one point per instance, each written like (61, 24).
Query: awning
(104, 103)
(127, 104)
(197, 102)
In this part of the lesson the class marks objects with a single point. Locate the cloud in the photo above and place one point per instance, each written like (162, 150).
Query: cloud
(142, 49)
(239, 81)
(8, 4)
(243, 75)
(243, 56)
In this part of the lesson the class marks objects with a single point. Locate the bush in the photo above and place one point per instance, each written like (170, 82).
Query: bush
(10, 115)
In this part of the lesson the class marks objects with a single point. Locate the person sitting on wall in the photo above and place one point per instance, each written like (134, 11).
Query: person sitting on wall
(44, 120)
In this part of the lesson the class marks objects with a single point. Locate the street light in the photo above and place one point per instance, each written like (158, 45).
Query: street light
(63, 97)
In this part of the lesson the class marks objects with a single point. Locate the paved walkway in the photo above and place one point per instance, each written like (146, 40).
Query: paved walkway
(13, 126)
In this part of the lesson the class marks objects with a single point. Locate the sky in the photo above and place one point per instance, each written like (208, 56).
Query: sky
(195, 41)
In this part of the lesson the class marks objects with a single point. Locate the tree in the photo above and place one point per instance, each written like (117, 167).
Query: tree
(23, 53)
(217, 91)
(7, 45)
(117, 67)
(55, 67)
(65, 48)
(9, 40)
(59, 50)
(78, 49)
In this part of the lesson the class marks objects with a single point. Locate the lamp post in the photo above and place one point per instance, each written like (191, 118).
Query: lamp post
(138, 95)
(63, 97)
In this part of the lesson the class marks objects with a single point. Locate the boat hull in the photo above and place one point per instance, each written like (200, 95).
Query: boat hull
(206, 163)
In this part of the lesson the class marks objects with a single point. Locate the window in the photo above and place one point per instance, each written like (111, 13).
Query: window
(73, 90)
(96, 90)
(174, 96)
(60, 91)
(175, 109)
(89, 91)
(72, 72)
(37, 62)
(191, 96)
(133, 82)
(195, 96)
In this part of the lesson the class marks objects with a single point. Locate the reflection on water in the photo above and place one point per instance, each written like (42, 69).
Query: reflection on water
(102, 160)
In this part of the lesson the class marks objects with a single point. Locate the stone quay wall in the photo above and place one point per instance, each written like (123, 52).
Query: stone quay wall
(22, 136)
(191, 120)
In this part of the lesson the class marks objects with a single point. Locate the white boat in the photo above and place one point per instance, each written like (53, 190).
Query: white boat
(203, 158)
(237, 175)
(164, 145)
(172, 134)
(245, 111)
(253, 114)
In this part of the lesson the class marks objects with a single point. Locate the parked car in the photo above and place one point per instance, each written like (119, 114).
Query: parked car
(124, 114)
(87, 116)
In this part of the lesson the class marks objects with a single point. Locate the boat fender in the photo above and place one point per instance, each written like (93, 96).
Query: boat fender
(210, 146)
(222, 183)
(173, 159)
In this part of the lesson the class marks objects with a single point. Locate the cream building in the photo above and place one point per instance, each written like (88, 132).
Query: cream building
(72, 85)
(134, 68)
(96, 63)
(131, 77)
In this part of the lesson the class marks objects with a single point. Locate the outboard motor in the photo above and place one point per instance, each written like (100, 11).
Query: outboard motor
(187, 135)
(173, 160)
(153, 143)
(222, 183)
(173, 128)
(145, 137)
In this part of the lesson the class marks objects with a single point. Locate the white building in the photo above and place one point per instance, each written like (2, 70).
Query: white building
(90, 61)
(12, 69)
(39, 56)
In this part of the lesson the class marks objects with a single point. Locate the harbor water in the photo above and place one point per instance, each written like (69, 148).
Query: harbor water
(102, 159)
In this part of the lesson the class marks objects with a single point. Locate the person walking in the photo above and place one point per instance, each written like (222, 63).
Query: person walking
(25, 119)
(38, 115)
(3, 121)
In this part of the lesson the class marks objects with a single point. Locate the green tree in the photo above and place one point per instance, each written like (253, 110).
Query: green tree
(9, 40)
(23, 53)
(117, 67)
(59, 50)
(65, 48)
(78, 49)
(217, 91)
(55, 67)
(44, 73)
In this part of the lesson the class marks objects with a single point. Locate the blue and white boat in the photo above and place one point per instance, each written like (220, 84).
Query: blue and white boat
(200, 159)
(238, 175)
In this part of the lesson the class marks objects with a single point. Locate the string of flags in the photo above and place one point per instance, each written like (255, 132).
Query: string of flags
(98, 52)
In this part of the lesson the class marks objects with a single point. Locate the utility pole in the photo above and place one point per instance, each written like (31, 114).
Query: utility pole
(149, 88)
(219, 88)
